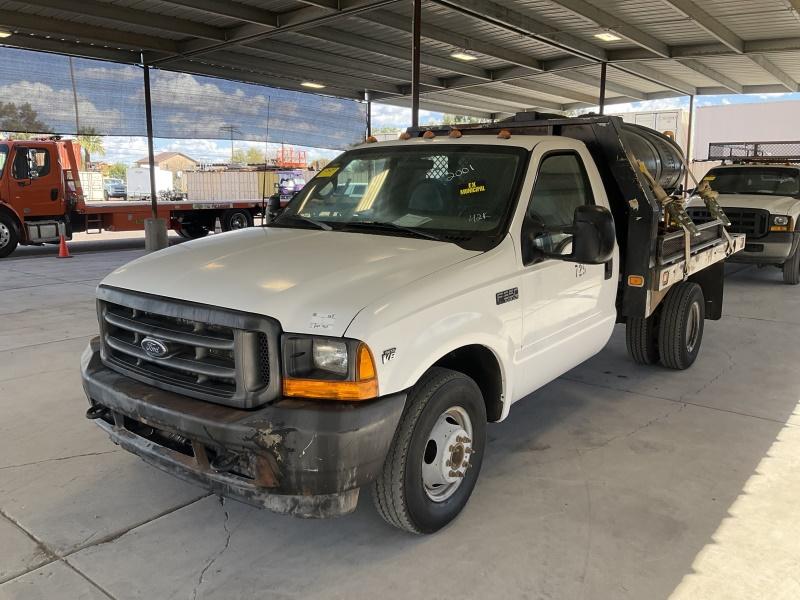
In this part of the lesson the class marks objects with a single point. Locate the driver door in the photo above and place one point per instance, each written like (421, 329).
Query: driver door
(34, 184)
(561, 299)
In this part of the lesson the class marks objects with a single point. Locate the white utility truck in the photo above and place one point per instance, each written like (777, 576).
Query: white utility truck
(759, 189)
(411, 293)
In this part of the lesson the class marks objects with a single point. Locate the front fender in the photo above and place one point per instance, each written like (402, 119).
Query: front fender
(413, 329)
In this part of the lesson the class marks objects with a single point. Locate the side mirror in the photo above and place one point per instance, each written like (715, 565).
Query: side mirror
(22, 165)
(274, 203)
(593, 235)
(33, 171)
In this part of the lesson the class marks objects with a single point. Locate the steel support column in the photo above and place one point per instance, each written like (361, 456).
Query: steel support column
(603, 69)
(415, 57)
(368, 100)
(148, 114)
(689, 143)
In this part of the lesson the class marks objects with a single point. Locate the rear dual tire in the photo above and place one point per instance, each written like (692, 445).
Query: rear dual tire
(442, 431)
(673, 334)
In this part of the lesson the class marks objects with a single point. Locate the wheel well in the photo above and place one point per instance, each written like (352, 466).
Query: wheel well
(479, 363)
(7, 211)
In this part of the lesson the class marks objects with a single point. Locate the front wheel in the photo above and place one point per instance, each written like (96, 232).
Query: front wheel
(680, 331)
(9, 235)
(791, 269)
(436, 454)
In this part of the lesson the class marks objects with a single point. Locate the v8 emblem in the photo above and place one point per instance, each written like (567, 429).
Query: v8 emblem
(580, 270)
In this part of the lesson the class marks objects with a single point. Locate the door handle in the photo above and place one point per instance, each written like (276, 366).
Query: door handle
(54, 194)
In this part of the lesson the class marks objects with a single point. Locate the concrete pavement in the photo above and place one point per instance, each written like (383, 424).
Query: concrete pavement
(615, 481)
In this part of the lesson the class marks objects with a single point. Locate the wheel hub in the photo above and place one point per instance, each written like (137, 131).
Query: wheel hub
(5, 235)
(447, 454)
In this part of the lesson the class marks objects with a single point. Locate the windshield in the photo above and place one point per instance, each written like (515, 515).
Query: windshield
(3, 157)
(769, 181)
(457, 193)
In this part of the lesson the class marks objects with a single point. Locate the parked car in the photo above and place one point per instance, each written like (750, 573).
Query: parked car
(114, 188)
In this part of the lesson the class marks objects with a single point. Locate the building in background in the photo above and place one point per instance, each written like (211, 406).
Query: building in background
(175, 162)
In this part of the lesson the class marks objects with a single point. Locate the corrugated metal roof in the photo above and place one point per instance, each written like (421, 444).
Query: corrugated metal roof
(367, 44)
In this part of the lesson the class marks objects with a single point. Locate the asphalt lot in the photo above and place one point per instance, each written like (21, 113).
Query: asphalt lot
(615, 481)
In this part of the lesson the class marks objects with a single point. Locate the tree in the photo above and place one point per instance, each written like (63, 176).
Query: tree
(250, 156)
(21, 119)
(116, 171)
(91, 143)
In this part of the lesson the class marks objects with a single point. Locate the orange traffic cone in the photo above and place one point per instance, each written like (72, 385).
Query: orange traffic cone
(63, 251)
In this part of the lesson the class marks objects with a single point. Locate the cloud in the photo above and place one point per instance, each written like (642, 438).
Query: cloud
(56, 107)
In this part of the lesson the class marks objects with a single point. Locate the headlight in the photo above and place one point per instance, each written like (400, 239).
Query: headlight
(780, 220)
(780, 223)
(328, 368)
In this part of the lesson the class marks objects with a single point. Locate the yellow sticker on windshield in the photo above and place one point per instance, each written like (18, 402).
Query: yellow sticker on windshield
(328, 172)
(473, 187)
(709, 178)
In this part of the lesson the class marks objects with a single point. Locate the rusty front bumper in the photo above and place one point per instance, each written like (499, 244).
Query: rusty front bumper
(300, 457)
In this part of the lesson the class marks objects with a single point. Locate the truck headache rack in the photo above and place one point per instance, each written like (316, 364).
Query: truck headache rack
(661, 259)
(781, 152)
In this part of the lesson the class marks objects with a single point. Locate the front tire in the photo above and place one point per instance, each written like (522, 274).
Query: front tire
(436, 455)
(791, 269)
(680, 332)
(9, 235)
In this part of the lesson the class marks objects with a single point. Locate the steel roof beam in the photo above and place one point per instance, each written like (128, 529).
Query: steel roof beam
(303, 18)
(456, 107)
(709, 23)
(778, 73)
(517, 21)
(75, 49)
(657, 77)
(281, 50)
(511, 98)
(121, 14)
(615, 24)
(83, 32)
(300, 73)
(383, 49)
(234, 10)
(726, 82)
(611, 86)
(432, 32)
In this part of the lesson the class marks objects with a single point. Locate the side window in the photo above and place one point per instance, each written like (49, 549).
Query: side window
(562, 185)
(31, 163)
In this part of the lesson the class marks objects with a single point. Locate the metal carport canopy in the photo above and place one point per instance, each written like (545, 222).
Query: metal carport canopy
(523, 54)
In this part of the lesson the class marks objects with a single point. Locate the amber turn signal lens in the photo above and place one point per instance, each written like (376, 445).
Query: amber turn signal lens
(330, 390)
(635, 281)
(364, 388)
(779, 228)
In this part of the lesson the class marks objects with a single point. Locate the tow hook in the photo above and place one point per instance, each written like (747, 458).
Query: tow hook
(96, 411)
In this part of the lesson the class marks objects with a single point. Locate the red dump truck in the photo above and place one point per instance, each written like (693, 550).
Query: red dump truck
(41, 197)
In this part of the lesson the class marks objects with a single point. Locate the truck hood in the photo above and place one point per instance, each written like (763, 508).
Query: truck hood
(311, 281)
(777, 205)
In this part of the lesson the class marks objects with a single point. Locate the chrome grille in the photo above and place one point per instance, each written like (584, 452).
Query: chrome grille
(753, 222)
(209, 354)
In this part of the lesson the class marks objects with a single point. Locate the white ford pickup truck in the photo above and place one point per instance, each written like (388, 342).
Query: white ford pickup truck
(411, 293)
(761, 197)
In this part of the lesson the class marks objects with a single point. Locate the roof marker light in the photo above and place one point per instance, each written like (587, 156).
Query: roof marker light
(455, 133)
(371, 139)
(504, 134)
(404, 136)
(428, 135)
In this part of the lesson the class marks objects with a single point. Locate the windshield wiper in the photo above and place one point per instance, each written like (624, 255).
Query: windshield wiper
(393, 226)
(317, 224)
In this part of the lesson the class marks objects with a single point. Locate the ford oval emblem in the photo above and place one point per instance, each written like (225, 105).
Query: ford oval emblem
(155, 348)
